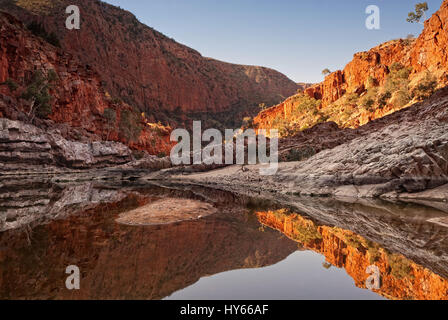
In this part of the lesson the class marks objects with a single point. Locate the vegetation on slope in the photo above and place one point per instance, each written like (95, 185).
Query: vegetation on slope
(37, 6)
(355, 109)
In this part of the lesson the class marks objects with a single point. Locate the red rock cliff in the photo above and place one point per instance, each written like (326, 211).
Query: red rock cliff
(427, 52)
(151, 71)
(79, 99)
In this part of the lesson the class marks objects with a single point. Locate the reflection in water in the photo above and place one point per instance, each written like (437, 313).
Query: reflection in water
(300, 276)
(45, 227)
(119, 261)
(400, 277)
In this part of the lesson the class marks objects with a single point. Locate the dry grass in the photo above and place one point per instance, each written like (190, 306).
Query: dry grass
(37, 6)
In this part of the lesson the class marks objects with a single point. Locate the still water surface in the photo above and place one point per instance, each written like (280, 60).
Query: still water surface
(247, 248)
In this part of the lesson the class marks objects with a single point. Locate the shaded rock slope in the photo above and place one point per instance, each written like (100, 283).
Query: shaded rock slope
(77, 101)
(405, 152)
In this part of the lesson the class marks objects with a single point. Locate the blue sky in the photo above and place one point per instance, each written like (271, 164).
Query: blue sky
(296, 37)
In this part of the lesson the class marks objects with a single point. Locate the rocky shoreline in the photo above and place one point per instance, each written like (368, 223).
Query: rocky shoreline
(25, 148)
(402, 156)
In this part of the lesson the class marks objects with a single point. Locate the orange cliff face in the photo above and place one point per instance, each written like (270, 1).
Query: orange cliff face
(152, 72)
(428, 52)
(78, 99)
(353, 79)
(400, 277)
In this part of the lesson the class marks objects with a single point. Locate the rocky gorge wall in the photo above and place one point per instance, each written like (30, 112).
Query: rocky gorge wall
(24, 147)
(403, 153)
(427, 52)
(159, 76)
(78, 99)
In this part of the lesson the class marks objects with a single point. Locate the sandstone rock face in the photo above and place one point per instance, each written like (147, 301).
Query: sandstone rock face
(403, 152)
(155, 73)
(428, 52)
(308, 142)
(353, 79)
(79, 100)
(80, 219)
(332, 87)
(24, 147)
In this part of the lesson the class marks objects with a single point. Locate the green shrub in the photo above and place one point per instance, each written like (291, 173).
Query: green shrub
(403, 74)
(281, 124)
(116, 100)
(305, 103)
(52, 76)
(38, 93)
(374, 251)
(110, 115)
(368, 104)
(38, 30)
(383, 98)
(323, 117)
(130, 126)
(137, 154)
(326, 265)
(326, 71)
(307, 233)
(426, 87)
(354, 241)
(371, 82)
(397, 84)
(398, 79)
(12, 85)
(262, 106)
(395, 67)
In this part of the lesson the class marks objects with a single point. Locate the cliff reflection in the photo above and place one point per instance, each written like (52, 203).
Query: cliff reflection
(45, 228)
(400, 277)
(128, 262)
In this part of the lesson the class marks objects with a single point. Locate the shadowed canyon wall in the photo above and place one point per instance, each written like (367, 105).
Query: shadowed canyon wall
(78, 102)
(150, 71)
